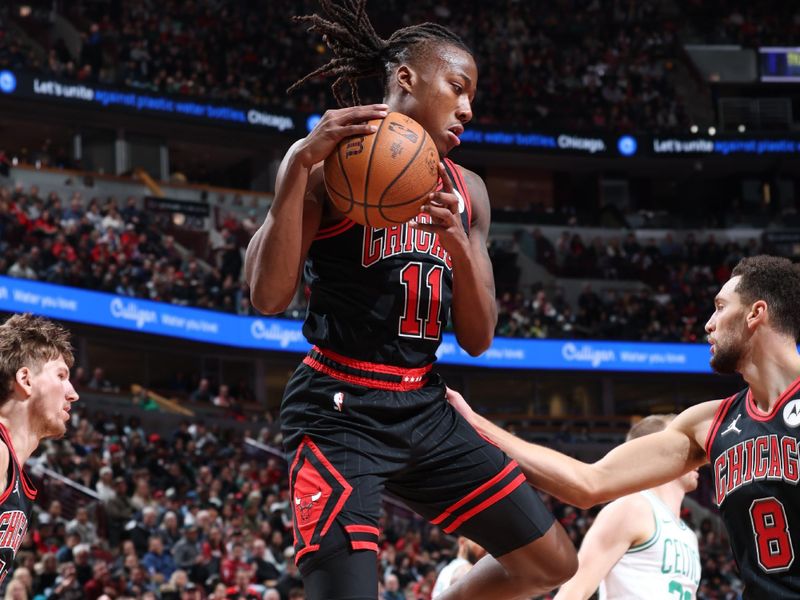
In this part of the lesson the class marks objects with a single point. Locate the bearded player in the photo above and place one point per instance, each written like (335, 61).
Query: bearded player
(750, 439)
(35, 358)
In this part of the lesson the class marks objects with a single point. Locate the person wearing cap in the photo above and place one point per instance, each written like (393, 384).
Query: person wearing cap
(105, 484)
(191, 592)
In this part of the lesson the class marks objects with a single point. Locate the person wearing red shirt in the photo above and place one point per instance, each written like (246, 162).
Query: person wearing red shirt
(232, 564)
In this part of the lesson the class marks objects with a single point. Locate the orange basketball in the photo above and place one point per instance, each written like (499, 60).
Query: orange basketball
(382, 179)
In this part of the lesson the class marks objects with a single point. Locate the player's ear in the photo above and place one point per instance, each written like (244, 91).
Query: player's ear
(405, 77)
(23, 380)
(758, 314)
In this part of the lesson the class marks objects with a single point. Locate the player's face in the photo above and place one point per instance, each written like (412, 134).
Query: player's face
(442, 95)
(727, 329)
(51, 398)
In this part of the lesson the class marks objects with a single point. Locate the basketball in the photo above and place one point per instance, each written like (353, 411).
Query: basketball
(382, 179)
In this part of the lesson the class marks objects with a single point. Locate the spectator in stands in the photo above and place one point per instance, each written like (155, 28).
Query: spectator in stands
(242, 589)
(99, 383)
(139, 582)
(22, 269)
(74, 213)
(233, 563)
(264, 572)
(83, 565)
(144, 529)
(142, 498)
(225, 400)
(187, 552)
(64, 553)
(157, 560)
(67, 586)
(101, 582)
(169, 530)
(290, 579)
(230, 256)
(105, 484)
(54, 510)
(83, 526)
(46, 574)
(119, 510)
(202, 395)
(392, 588)
(271, 594)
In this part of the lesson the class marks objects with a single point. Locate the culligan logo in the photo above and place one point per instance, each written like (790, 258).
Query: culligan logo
(275, 333)
(131, 312)
(586, 353)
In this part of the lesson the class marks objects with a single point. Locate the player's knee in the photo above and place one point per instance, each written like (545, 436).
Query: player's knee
(551, 573)
(564, 562)
(565, 568)
(546, 563)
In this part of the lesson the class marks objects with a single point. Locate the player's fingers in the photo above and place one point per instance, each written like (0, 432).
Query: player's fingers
(358, 129)
(447, 185)
(354, 114)
(435, 228)
(440, 214)
(448, 201)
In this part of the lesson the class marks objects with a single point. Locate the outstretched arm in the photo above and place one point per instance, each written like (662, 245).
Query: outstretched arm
(624, 523)
(636, 465)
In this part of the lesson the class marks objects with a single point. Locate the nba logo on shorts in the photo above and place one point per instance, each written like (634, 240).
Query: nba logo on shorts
(338, 399)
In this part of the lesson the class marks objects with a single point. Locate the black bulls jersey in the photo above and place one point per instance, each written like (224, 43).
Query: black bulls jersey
(16, 504)
(754, 457)
(381, 295)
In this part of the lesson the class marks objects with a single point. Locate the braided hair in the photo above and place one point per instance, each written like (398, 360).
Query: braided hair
(358, 51)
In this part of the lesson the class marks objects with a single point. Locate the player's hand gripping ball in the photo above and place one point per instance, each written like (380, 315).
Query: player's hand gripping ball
(382, 179)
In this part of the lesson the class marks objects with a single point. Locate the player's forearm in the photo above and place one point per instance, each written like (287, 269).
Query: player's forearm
(574, 589)
(474, 306)
(559, 475)
(272, 260)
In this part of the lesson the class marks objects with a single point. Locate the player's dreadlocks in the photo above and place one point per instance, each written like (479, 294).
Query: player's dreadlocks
(358, 51)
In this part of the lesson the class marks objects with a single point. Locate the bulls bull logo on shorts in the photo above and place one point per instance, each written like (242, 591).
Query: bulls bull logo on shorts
(304, 504)
(319, 492)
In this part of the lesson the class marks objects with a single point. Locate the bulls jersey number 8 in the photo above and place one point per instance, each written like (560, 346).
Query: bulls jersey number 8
(773, 544)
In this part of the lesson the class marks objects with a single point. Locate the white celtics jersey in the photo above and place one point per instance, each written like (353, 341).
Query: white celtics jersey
(665, 566)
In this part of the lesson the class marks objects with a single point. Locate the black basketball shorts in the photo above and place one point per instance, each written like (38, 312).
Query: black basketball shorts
(353, 429)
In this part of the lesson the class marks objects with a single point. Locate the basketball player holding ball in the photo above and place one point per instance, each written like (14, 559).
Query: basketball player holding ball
(365, 412)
